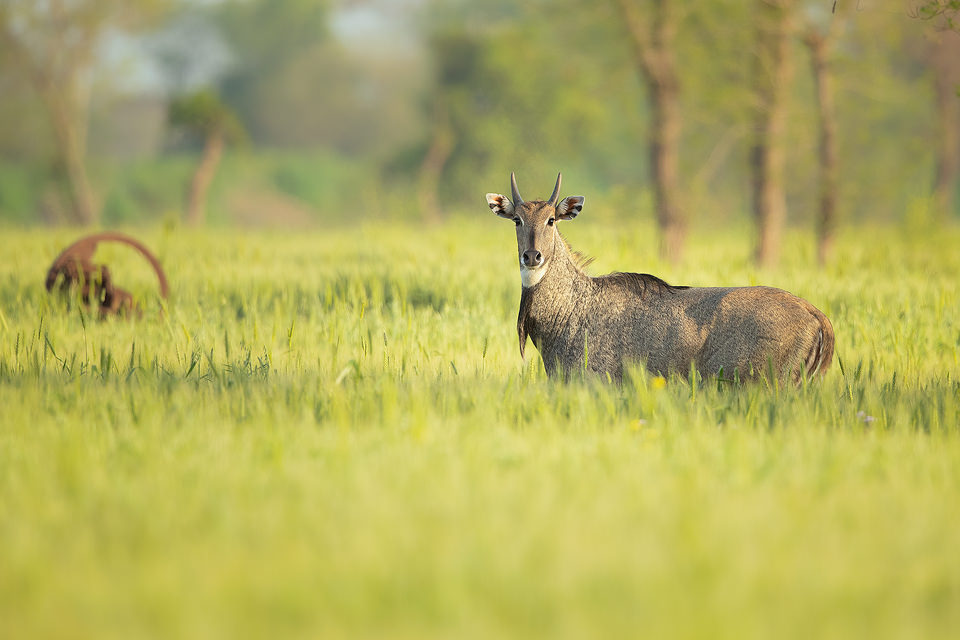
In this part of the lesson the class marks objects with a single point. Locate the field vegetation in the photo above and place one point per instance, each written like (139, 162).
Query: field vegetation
(332, 433)
(328, 430)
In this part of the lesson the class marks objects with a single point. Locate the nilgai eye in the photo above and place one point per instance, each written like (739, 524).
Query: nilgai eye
(550, 222)
(516, 221)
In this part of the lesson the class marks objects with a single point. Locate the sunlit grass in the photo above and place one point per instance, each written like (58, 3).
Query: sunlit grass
(333, 433)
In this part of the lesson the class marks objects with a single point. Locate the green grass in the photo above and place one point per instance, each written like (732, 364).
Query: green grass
(333, 434)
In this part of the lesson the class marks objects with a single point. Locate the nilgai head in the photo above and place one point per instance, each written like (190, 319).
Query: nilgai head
(536, 226)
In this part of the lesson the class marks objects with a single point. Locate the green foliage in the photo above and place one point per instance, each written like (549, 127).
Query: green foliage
(143, 191)
(204, 113)
(322, 181)
(139, 192)
(21, 187)
(946, 11)
(272, 31)
(518, 100)
(267, 37)
(535, 87)
(527, 91)
(332, 434)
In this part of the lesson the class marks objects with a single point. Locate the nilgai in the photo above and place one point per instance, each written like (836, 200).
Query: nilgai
(582, 323)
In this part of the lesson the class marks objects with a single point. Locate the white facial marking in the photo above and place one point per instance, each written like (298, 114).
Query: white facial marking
(530, 277)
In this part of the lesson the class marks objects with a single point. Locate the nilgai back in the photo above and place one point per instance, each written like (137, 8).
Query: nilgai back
(599, 324)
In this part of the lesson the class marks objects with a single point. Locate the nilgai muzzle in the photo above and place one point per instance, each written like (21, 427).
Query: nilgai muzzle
(578, 322)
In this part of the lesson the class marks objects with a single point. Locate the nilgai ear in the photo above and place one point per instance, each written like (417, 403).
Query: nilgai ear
(500, 205)
(569, 208)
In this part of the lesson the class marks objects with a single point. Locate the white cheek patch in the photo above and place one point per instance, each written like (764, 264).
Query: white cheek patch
(530, 277)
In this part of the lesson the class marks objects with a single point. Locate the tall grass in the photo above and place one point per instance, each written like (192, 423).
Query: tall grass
(333, 434)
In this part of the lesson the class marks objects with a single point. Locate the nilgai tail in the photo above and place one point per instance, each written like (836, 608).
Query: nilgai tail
(820, 356)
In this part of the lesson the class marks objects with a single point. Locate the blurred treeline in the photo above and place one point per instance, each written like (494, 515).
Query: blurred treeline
(318, 111)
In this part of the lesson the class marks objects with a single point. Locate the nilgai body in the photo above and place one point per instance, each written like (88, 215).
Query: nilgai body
(600, 324)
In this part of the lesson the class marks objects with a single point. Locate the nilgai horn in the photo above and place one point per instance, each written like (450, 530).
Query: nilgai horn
(578, 322)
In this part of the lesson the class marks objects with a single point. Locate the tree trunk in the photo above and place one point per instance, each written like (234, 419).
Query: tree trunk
(653, 52)
(664, 144)
(55, 77)
(946, 69)
(820, 47)
(202, 177)
(431, 169)
(68, 127)
(772, 73)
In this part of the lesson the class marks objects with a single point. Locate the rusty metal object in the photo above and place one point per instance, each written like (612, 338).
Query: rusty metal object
(74, 267)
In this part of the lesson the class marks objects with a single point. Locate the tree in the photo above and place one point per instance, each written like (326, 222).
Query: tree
(653, 45)
(508, 93)
(820, 41)
(944, 58)
(771, 74)
(204, 114)
(455, 55)
(435, 159)
(54, 44)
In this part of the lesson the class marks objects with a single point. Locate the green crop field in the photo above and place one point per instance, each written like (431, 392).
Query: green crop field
(331, 433)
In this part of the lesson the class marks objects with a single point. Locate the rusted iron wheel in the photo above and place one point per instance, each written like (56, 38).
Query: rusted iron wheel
(74, 268)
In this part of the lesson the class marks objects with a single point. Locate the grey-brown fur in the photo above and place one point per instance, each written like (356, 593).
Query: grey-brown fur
(580, 322)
